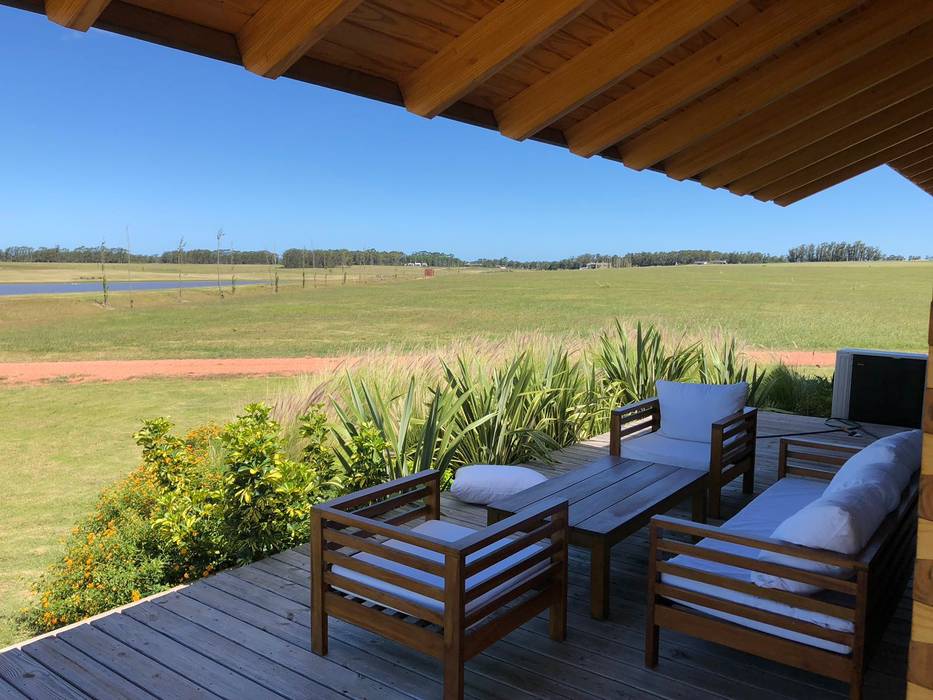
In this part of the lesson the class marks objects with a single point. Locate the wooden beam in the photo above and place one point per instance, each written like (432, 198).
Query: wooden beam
(836, 141)
(75, 14)
(839, 159)
(863, 73)
(853, 169)
(497, 39)
(879, 23)
(282, 31)
(739, 49)
(746, 171)
(640, 40)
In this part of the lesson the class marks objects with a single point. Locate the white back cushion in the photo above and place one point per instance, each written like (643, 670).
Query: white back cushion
(885, 475)
(841, 522)
(907, 446)
(688, 411)
(484, 483)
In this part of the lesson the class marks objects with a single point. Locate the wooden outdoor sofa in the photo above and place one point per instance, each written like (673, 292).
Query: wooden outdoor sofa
(832, 633)
(439, 588)
(731, 448)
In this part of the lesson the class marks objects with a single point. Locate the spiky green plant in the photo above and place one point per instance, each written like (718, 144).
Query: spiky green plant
(725, 366)
(630, 367)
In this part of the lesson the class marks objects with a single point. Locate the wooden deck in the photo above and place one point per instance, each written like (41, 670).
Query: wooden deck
(244, 633)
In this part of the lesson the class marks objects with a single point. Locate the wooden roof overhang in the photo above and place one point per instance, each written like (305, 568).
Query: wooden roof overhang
(777, 99)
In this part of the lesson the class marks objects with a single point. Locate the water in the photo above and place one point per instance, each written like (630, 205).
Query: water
(7, 290)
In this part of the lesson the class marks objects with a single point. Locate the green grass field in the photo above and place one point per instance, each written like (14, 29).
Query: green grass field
(810, 307)
(63, 443)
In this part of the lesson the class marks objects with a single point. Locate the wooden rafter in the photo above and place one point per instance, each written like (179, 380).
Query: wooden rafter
(854, 168)
(837, 142)
(869, 70)
(839, 159)
(750, 169)
(640, 40)
(734, 52)
(75, 14)
(282, 31)
(878, 24)
(498, 38)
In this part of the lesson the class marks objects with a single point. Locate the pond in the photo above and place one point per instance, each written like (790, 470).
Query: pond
(17, 289)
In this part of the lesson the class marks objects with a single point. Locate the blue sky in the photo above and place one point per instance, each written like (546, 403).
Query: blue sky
(99, 132)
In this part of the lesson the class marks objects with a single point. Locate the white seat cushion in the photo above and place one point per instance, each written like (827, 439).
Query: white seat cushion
(448, 532)
(688, 411)
(759, 519)
(885, 476)
(656, 447)
(484, 483)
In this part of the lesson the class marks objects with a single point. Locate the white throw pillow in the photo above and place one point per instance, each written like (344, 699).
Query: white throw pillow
(885, 475)
(484, 483)
(907, 447)
(688, 411)
(841, 522)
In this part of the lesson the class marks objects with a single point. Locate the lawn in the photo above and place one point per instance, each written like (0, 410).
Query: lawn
(63, 443)
(806, 306)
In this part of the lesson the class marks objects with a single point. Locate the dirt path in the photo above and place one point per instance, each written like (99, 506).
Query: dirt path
(119, 370)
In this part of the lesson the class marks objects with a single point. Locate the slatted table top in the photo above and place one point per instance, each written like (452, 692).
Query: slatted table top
(611, 495)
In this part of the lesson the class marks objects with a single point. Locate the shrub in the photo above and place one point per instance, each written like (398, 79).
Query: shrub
(111, 557)
(785, 389)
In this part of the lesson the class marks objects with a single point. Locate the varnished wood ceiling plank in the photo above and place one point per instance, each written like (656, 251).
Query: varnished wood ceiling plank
(75, 14)
(282, 31)
(811, 155)
(636, 43)
(704, 70)
(822, 94)
(497, 39)
(919, 167)
(877, 24)
(913, 158)
(854, 167)
(820, 162)
(751, 168)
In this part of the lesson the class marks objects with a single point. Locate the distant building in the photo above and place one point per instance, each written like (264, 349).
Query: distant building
(595, 266)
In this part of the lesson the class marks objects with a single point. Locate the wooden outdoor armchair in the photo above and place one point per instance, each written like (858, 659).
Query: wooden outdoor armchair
(866, 598)
(465, 604)
(731, 445)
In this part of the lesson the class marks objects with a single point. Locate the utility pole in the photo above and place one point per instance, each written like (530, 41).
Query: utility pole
(220, 289)
(180, 260)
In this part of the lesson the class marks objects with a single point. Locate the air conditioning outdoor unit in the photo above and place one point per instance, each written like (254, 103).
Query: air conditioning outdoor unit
(876, 386)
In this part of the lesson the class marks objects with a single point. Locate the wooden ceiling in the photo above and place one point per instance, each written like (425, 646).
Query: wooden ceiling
(776, 99)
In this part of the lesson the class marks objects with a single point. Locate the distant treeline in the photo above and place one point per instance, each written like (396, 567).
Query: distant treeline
(330, 258)
(832, 251)
(301, 257)
(99, 254)
(645, 259)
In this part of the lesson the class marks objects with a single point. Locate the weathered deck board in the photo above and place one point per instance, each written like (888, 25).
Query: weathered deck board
(245, 632)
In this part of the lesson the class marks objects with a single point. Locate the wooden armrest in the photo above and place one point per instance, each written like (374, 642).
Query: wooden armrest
(820, 460)
(732, 438)
(380, 491)
(638, 415)
(526, 520)
(637, 406)
(376, 527)
(688, 527)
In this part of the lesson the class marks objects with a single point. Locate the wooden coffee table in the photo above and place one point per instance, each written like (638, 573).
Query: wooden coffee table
(610, 499)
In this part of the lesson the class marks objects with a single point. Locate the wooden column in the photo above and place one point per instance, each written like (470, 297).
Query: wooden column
(920, 666)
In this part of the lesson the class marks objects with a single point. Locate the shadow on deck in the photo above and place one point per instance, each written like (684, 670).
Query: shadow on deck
(244, 633)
